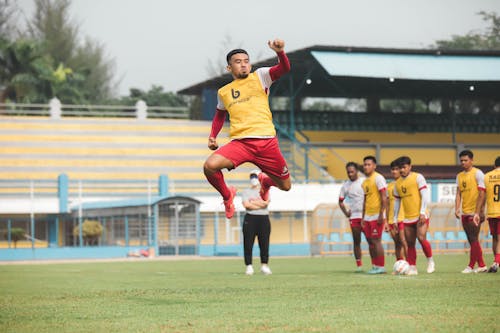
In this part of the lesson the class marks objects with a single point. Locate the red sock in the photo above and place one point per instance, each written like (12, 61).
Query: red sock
(217, 181)
(479, 254)
(412, 255)
(497, 258)
(380, 261)
(426, 247)
(399, 258)
(359, 263)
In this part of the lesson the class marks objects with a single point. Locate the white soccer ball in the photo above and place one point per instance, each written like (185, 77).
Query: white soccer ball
(401, 267)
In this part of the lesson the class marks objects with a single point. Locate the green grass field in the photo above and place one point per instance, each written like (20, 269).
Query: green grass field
(302, 295)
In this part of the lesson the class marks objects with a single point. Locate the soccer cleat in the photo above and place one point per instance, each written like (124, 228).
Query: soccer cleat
(359, 269)
(249, 270)
(264, 190)
(412, 270)
(265, 269)
(483, 269)
(493, 268)
(229, 204)
(376, 270)
(431, 267)
(468, 270)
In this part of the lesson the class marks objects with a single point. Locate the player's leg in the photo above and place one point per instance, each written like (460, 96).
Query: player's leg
(404, 245)
(495, 231)
(228, 157)
(249, 234)
(371, 246)
(398, 248)
(268, 157)
(263, 235)
(356, 242)
(426, 245)
(377, 248)
(411, 239)
(476, 252)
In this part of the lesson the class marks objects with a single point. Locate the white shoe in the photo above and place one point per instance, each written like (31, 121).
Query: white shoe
(468, 270)
(249, 270)
(412, 270)
(431, 267)
(483, 269)
(265, 270)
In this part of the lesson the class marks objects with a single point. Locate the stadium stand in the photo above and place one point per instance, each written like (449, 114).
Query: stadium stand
(107, 149)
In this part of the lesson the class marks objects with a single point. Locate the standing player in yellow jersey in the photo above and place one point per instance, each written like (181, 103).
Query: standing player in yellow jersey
(468, 204)
(396, 227)
(252, 132)
(374, 213)
(411, 190)
(492, 186)
(353, 192)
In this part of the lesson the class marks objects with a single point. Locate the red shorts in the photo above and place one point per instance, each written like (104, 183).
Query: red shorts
(355, 223)
(400, 226)
(469, 219)
(373, 230)
(494, 223)
(264, 153)
(427, 221)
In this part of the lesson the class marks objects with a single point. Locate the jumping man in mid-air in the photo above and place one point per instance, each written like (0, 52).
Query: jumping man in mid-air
(252, 132)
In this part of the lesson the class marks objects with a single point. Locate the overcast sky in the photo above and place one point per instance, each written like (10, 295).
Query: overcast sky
(170, 43)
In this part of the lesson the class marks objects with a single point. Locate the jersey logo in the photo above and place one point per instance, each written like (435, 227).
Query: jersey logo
(235, 93)
(464, 184)
(367, 189)
(403, 189)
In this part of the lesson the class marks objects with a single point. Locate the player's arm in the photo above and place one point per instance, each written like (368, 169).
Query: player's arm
(283, 65)
(343, 208)
(424, 196)
(458, 201)
(254, 204)
(383, 205)
(363, 213)
(217, 123)
(481, 198)
(397, 204)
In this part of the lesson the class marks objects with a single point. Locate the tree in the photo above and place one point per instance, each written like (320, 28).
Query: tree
(489, 39)
(8, 13)
(91, 71)
(91, 231)
(16, 234)
(155, 96)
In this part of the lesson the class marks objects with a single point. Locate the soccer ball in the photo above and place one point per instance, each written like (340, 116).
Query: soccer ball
(401, 267)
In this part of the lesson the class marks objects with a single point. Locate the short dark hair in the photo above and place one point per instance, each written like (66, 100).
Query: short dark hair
(467, 153)
(404, 160)
(497, 162)
(370, 157)
(394, 164)
(352, 164)
(232, 53)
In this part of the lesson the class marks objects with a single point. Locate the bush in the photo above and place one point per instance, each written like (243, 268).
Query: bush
(91, 231)
(16, 234)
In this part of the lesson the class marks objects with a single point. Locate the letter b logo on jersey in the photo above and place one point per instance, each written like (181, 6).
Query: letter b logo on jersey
(235, 93)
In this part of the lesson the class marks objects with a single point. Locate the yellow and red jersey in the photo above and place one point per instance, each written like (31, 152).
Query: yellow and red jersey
(408, 190)
(492, 186)
(390, 209)
(373, 186)
(469, 183)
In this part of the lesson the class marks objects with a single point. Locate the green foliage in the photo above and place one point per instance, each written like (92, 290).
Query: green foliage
(16, 234)
(489, 39)
(155, 96)
(302, 295)
(91, 231)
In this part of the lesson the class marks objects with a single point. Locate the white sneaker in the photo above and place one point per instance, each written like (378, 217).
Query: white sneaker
(265, 269)
(431, 267)
(483, 269)
(412, 270)
(249, 270)
(468, 270)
